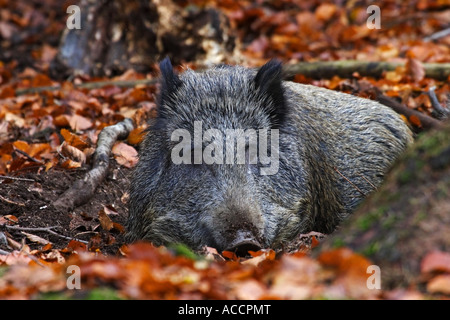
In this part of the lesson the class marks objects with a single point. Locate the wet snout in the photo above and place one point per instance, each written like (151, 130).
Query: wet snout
(243, 243)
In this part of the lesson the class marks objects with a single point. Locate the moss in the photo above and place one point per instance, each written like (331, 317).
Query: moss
(420, 215)
(443, 190)
(370, 249)
(389, 221)
(365, 221)
(338, 242)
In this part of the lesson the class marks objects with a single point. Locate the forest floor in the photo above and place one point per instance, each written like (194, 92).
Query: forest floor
(47, 139)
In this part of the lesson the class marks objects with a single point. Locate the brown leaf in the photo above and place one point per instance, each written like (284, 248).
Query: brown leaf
(7, 92)
(325, 11)
(136, 135)
(439, 284)
(70, 164)
(415, 69)
(74, 140)
(72, 153)
(435, 261)
(35, 238)
(346, 261)
(125, 154)
(105, 221)
(79, 123)
(8, 220)
(230, 255)
(415, 120)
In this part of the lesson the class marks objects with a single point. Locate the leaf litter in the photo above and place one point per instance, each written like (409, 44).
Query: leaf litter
(48, 138)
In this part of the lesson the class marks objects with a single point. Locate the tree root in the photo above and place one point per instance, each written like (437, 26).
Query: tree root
(83, 189)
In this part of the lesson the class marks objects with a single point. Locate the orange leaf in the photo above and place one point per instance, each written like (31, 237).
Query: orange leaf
(41, 80)
(314, 242)
(61, 121)
(8, 220)
(38, 148)
(136, 135)
(74, 140)
(230, 255)
(325, 11)
(70, 164)
(47, 247)
(21, 145)
(346, 261)
(7, 92)
(255, 253)
(105, 221)
(415, 120)
(118, 227)
(75, 246)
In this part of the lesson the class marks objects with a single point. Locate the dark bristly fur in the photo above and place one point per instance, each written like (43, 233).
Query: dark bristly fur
(327, 139)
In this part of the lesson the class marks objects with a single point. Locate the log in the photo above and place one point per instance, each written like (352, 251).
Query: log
(346, 69)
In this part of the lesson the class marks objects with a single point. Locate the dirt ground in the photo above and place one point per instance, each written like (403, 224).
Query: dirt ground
(31, 202)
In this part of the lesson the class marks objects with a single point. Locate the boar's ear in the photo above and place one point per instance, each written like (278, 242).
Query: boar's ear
(170, 82)
(269, 82)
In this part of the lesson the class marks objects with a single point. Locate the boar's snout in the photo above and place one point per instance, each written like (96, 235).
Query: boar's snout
(243, 243)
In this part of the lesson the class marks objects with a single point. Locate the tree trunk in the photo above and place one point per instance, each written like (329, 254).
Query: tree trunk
(122, 34)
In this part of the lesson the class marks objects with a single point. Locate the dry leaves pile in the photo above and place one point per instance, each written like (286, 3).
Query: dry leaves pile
(55, 130)
(146, 272)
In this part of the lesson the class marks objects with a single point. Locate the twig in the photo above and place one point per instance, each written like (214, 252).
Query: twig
(426, 121)
(354, 185)
(83, 189)
(90, 85)
(16, 178)
(439, 110)
(437, 35)
(27, 156)
(44, 229)
(11, 201)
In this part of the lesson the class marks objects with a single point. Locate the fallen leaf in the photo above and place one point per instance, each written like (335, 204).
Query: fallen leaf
(136, 135)
(325, 11)
(8, 220)
(415, 69)
(79, 123)
(72, 153)
(125, 154)
(436, 261)
(105, 221)
(439, 284)
(248, 290)
(35, 238)
(415, 120)
(70, 164)
(230, 255)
